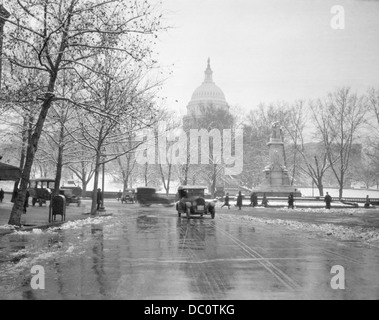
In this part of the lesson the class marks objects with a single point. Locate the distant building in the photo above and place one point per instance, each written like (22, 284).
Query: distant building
(206, 95)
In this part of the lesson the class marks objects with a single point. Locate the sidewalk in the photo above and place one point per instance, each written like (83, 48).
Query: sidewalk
(39, 216)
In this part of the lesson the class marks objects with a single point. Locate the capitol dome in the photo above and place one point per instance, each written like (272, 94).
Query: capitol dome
(208, 94)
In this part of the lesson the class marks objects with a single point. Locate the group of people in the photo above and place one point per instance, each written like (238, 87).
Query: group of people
(291, 201)
(253, 200)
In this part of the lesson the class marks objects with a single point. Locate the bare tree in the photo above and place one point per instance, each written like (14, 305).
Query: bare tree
(67, 35)
(212, 121)
(339, 119)
(122, 99)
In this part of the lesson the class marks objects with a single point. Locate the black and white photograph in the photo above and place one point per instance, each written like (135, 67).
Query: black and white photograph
(189, 156)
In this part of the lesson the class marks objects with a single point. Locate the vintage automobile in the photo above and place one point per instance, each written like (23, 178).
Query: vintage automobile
(191, 201)
(40, 190)
(70, 196)
(129, 195)
(147, 196)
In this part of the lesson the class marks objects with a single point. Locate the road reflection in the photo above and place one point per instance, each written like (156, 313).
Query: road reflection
(153, 254)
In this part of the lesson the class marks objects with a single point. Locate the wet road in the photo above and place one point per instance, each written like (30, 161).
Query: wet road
(150, 253)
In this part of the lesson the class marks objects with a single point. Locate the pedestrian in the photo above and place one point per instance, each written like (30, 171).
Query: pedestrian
(239, 200)
(328, 200)
(26, 202)
(1, 195)
(264, 200)
(119, 194)
(367, 202)
(290, 201)
(253, 199)
(226, 201)
(99, 198)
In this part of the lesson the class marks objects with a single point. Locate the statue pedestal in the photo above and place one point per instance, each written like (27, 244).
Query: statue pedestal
(276, 178)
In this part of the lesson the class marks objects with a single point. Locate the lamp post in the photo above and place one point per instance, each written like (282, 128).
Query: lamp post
(4, 14)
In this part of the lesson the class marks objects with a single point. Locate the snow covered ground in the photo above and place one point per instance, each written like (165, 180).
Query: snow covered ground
(367, 235)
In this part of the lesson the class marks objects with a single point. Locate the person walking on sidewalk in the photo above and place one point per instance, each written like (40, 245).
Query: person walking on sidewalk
(226, 201)
(367, 202)
(253, 200)
(264, 200)
(1, 195)
(328, 200)
(290, 201)
(98, 198)
(26, 202)
(239, 200)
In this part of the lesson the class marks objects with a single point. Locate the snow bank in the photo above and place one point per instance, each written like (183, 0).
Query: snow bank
(347, 211)
(77, 224)
(369, 235)
(7, 227)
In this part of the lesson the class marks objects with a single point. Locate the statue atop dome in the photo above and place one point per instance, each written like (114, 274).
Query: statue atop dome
(208, 72)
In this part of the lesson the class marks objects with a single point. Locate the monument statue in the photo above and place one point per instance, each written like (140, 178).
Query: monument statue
(276, 178)
(276, 130)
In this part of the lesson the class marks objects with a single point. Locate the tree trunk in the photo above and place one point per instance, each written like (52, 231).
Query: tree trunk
(95, 184)
(58, 175)
(84, 188)
(15, 216)
(125, 186)
(320, 189)
(214, 178)
(145, 175)
(25, 138)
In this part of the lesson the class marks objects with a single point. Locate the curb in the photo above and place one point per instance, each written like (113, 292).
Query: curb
(49, 225)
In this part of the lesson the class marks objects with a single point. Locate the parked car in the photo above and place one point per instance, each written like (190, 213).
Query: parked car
(129, 195)
(192, 201)
(40, 190)
(147, 196)
(68, 193)
(76, 190)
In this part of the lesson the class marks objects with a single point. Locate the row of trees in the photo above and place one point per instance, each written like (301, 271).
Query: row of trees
(329, 141)
(77, 90)
(77, 77)
(332, 140)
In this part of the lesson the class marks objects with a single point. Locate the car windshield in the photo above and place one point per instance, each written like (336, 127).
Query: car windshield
(195, 193)
(43, 184)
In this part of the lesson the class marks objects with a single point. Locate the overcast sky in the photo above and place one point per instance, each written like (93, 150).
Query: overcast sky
(269, 50)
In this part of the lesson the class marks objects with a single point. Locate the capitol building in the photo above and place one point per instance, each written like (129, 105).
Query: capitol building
(209, 98)
(208, 94)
